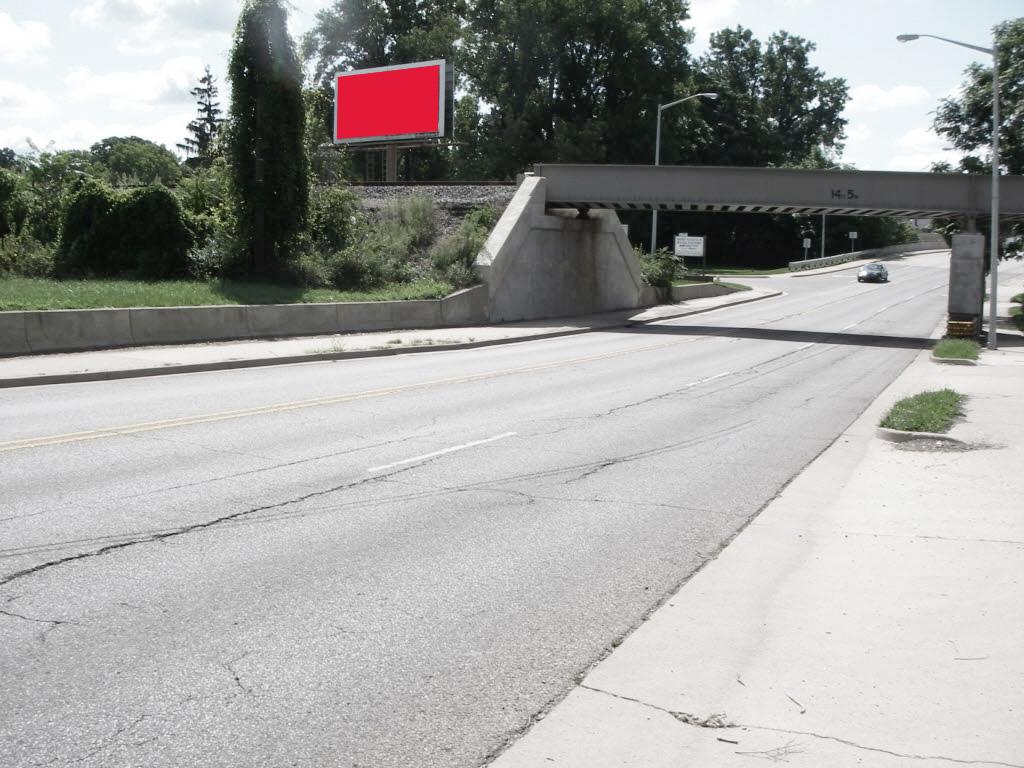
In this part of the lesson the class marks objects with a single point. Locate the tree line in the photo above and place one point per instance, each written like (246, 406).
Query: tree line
(262, 191)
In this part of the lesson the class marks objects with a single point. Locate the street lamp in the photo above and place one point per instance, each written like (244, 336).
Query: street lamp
(994, 243)
(657, 157)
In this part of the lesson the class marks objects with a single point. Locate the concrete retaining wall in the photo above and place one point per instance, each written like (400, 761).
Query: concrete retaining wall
(873, 253)
(539, 264)
(72, 330)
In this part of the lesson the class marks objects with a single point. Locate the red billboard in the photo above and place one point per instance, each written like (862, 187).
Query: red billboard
(384, 104)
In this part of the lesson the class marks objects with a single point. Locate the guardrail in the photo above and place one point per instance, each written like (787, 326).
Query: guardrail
(872, 253)
(828, 261)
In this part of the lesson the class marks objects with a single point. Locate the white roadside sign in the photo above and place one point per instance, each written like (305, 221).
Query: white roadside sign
(689, 246)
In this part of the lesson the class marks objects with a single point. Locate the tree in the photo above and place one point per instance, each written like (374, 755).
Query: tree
(357, 34)
(8, 158)
(266, 153)
(774, 108)
(573, 81)
(966, 121)
(204, 128)
(136, 161)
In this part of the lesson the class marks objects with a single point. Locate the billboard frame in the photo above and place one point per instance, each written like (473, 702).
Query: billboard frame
(409, 139)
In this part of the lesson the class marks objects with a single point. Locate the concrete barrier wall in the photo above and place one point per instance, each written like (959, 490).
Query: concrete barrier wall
(72, 330)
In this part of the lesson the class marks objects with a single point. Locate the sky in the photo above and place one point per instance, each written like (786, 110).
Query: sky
(74, 72)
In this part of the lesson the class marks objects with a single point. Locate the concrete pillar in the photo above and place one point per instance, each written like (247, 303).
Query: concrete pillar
(966, 284)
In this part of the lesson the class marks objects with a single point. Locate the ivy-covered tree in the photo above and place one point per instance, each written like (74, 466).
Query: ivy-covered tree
(265, 146)
(200, 144)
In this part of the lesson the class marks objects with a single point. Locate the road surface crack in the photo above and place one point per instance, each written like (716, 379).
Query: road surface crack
(185, 529)
(230, 667)
(880, 750)
(718, 721)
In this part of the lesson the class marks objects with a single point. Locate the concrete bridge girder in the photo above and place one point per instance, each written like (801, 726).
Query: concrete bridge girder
(779, 190)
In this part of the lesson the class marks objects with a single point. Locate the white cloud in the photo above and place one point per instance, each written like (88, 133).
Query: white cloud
(139, 89)
(21, 102)
(707, 16)
(918, 149)
(155, 26)
(873, 98)
(22, 43)
(81, 133)
(186, 14)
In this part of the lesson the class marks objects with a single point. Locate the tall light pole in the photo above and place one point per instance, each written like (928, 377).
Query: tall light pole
(657, 157)
(994, 243)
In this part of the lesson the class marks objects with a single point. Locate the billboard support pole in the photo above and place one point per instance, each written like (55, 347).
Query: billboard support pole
(391, 164)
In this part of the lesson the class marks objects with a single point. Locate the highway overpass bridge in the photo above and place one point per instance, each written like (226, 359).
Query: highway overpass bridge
(545, 260)
(779, 190)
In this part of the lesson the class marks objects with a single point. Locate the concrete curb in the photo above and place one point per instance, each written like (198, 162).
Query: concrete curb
(223, 365)
(952, 360)
(899, 436)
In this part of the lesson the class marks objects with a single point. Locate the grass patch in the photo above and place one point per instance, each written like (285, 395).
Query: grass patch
(25, 294)
(959, 349)
(927, 412)
(746, 271)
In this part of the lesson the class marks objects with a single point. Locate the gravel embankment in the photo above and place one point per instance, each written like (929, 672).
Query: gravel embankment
(453, 201)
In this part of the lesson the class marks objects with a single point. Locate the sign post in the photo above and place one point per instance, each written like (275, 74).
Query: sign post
(853, 241)
(690, 246)
(807, 245)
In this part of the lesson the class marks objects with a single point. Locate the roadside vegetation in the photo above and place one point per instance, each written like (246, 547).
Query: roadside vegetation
(926, 412)
(1017, 313)
(24, 293)
(957, 349)
(262, 195)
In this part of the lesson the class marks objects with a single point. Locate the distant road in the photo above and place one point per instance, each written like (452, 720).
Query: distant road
(399, 561)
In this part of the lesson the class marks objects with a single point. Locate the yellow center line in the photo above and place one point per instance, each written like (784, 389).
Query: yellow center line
(185, 421)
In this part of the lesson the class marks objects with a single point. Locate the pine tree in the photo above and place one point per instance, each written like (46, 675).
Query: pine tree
(200, 145)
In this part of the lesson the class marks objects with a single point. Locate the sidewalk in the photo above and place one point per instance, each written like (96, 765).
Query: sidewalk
(132, 362)
(871, 615)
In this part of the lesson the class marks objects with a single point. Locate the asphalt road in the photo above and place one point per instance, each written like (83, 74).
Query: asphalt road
(399, 561)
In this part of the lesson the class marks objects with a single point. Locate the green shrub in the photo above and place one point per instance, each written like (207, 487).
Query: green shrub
(154, 237)
(453, 256)
(8, 191)
(21, 255)
(333, 217)
(657, 269)
(414, 218)
(88, 232)
(142, 233)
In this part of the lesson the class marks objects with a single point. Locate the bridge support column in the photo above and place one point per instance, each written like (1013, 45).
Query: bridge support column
(540, 263)
(966, 285)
